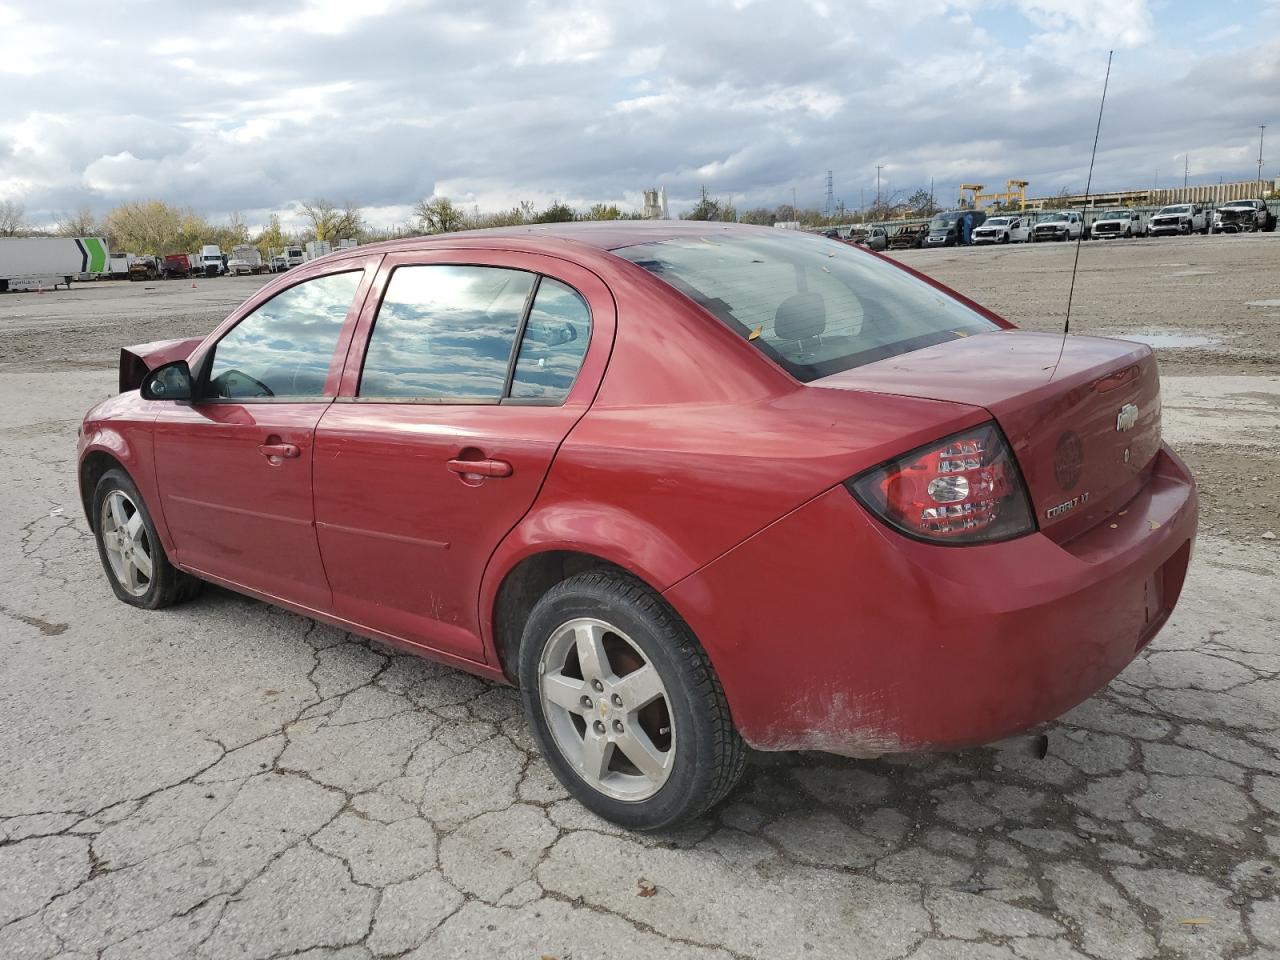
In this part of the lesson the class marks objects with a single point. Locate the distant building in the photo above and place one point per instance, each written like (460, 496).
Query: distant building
(1149, 196)
(655, 204)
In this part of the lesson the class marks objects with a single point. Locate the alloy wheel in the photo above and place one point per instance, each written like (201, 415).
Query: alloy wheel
(125, 540)
(607, 709)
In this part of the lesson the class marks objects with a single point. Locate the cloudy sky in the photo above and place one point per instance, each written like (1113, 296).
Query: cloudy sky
(252, 106)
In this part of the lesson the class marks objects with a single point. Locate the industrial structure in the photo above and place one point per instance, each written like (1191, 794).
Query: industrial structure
(655, 204)
(1014, 190)
(1205, 193)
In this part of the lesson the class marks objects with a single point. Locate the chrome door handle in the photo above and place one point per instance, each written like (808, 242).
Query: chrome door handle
(480, 468)
(286, 451)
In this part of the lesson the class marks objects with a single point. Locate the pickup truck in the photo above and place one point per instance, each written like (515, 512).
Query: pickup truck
(1063, 225)
(1118, 223)
(1002, 230)
(1185, 218)
(1240, 216)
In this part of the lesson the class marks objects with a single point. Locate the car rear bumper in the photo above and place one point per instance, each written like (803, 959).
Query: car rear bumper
(831, 632)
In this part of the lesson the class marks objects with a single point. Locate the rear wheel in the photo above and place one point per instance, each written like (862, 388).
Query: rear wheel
(139, 572)
(624, 704)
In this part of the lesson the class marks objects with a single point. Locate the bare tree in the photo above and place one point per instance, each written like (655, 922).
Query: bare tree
(82, 223)
(328, 222)
(921, 203)
(438, 215)
(12, 218)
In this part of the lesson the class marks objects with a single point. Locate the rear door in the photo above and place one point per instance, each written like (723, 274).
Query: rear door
(467, 371)
(234, 467)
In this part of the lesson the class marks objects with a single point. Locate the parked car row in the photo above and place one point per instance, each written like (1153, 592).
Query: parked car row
(975, 227)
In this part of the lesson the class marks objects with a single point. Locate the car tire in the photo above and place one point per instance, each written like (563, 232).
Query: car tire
(667, 709)
(131, 553)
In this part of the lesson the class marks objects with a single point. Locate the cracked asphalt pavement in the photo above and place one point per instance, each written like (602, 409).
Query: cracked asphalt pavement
(227, 780)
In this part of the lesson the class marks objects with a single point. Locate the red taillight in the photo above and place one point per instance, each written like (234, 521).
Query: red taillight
(963, 489)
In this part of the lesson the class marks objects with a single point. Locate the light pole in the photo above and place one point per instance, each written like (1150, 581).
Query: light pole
(880, 166)
(1262, 132)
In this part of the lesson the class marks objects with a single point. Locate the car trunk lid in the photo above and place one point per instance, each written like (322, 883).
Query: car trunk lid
(1085, 440)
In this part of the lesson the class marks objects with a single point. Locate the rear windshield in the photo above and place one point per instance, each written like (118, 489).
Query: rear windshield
(813, 307)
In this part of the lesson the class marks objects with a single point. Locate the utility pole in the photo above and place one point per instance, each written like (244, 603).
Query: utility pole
(1185, 162)
(880, 166)
(793, 197)
(1262, 132)
(931, 200)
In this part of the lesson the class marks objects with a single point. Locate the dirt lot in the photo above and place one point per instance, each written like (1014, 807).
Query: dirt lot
(226, 780)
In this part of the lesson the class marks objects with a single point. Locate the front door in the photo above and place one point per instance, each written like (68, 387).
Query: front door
(234, 467)
(458, 391)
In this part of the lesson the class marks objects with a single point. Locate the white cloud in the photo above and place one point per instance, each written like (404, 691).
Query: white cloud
(381, 102)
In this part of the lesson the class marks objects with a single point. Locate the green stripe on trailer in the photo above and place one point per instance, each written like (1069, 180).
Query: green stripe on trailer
(97, 253)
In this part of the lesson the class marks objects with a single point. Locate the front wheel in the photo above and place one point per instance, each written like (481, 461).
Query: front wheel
(139, 572)
(624, 704)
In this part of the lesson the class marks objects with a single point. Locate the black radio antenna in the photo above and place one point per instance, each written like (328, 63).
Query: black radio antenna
(1066, 326)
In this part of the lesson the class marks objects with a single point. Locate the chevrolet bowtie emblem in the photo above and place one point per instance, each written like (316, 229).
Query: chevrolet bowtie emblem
(1127, 418)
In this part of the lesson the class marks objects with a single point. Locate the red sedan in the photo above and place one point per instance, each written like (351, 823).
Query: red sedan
(691, 486)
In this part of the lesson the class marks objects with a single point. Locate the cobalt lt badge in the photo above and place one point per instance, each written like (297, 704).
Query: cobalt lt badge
(1127, 418)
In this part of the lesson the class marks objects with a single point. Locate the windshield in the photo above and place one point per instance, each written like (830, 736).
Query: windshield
(1174, 210)
(997, 222)
(1055, 218)
(1115, 215)
(944, 221)
(810, 306)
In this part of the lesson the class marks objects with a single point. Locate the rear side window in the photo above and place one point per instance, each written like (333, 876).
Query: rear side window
(812, 306)
(284, 349)
(448, 333)
(445, 332)
(554, 342)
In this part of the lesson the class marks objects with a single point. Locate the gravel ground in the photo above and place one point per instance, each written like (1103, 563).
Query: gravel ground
(224, 779)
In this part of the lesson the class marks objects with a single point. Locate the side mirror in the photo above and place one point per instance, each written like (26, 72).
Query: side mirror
(172, 381)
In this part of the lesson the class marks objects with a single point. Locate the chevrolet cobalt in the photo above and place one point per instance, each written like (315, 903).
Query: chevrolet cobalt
(693, 487)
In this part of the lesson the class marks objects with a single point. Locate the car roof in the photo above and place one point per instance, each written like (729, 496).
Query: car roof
(598, 234)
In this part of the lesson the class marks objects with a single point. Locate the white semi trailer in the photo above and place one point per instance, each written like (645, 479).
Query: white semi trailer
(31, 263)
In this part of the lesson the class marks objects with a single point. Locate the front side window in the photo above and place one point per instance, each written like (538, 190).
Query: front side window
(285, 347)
(445, 332)
(813, 307)
(554, 343)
